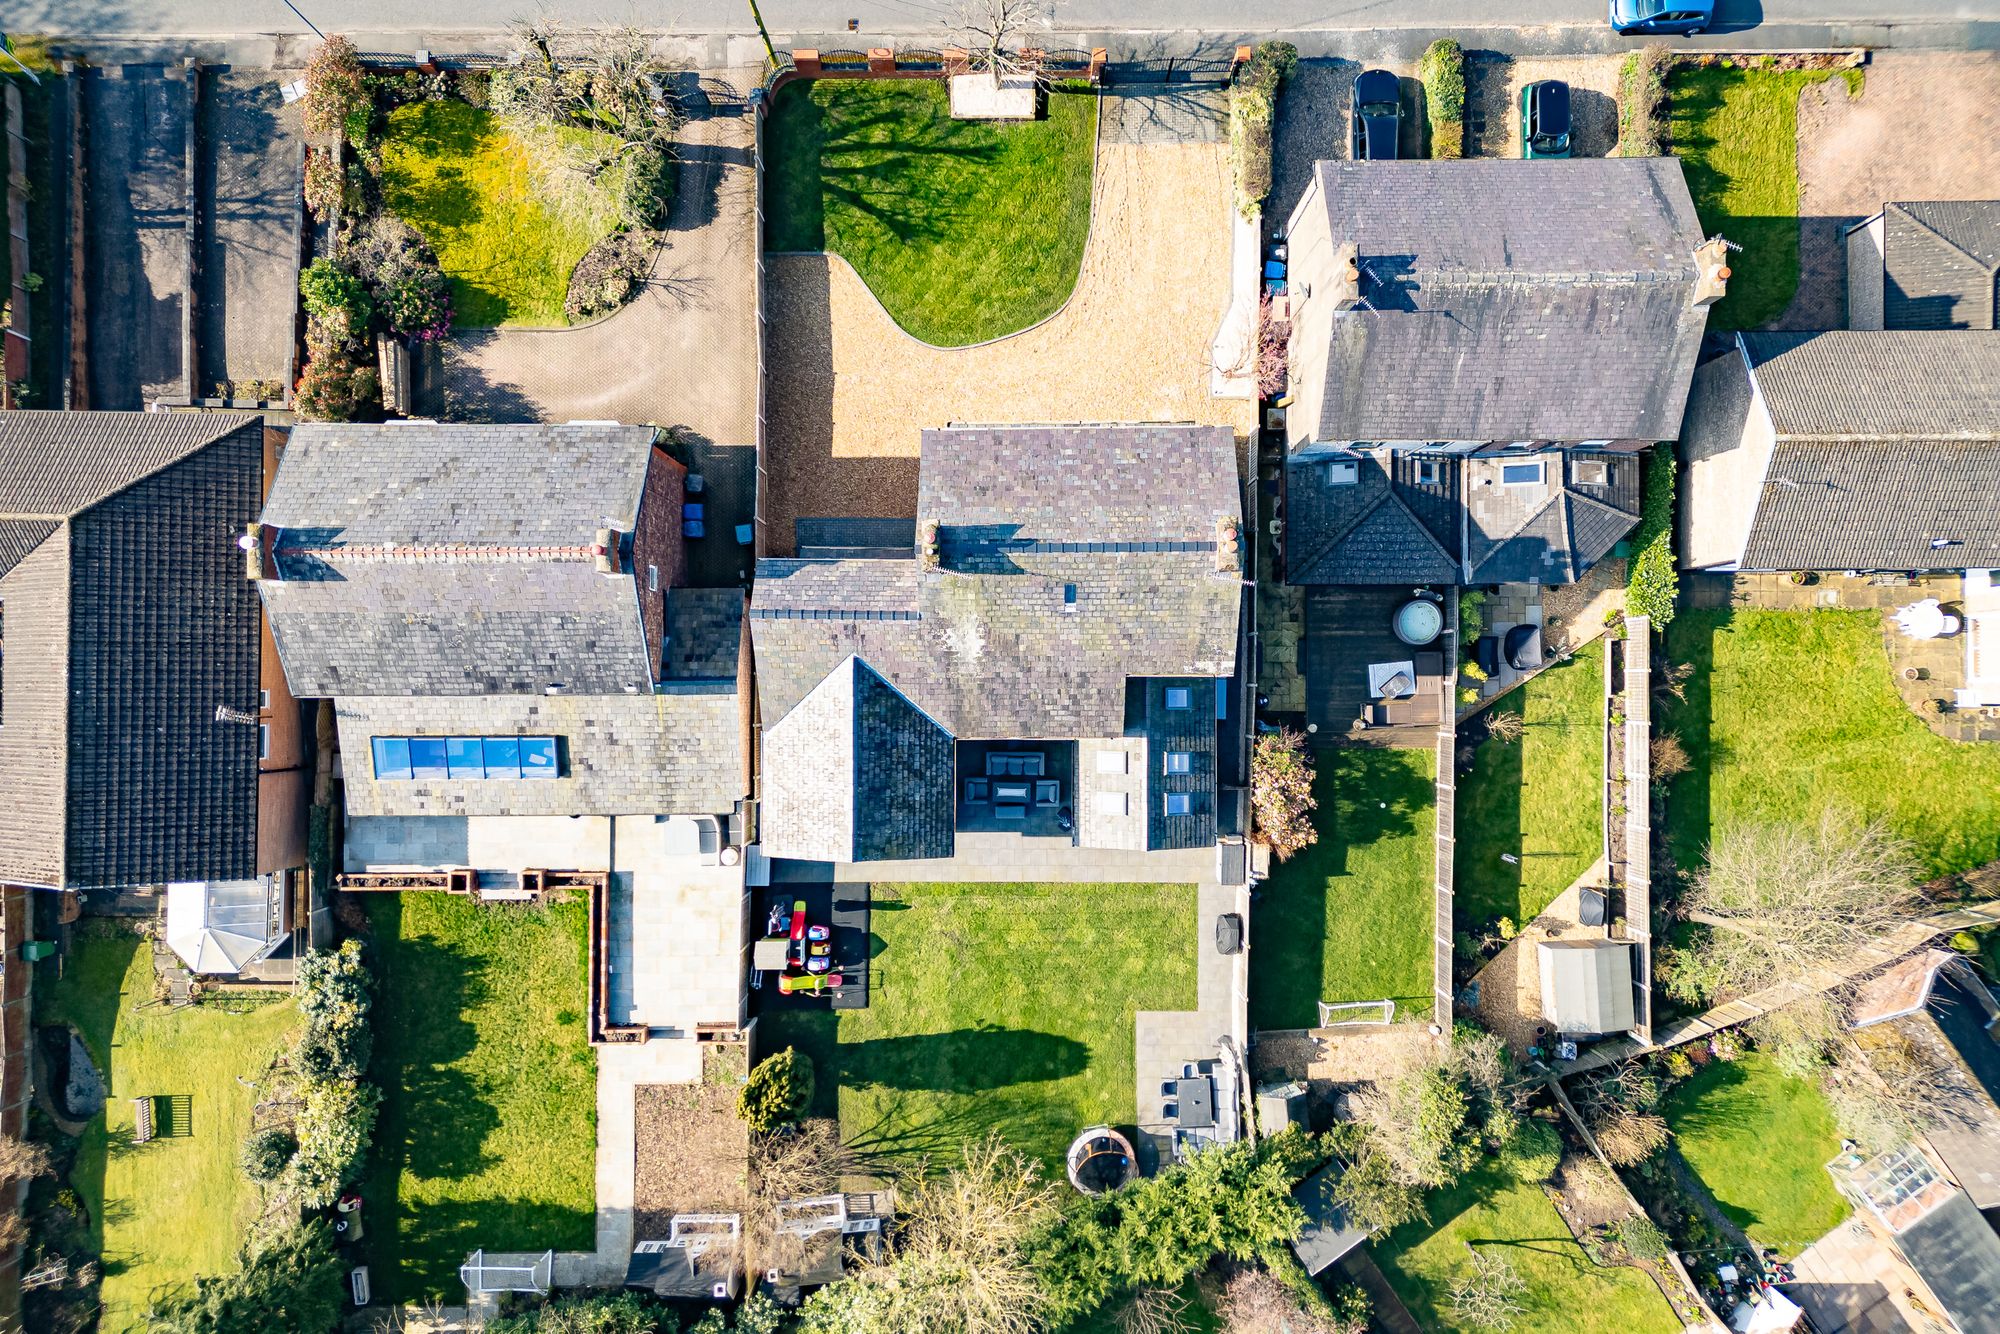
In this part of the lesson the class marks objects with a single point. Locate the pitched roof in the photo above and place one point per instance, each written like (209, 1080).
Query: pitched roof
(987, 643)
(1958, 1254)
(1385, 526)
(124, 587)
(1941, 264)
(678, 752)
(857, 773)
(420, 559)
(1886, 443)
(1552, 531)
(1513, 300)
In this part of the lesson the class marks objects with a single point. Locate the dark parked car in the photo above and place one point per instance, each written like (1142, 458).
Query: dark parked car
(1662, 16)
(1378, 116)
(1545, 119)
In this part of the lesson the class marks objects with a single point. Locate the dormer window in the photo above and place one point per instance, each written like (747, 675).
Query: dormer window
(1429, 472)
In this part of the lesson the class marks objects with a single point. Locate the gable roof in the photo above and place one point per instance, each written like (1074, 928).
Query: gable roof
(985, 643)
(1886, 442)
(1384, 527)
(420, 559)
(1513, 300)
(1558, 529)
(125, 590)
(1941, 264)
(857, 773)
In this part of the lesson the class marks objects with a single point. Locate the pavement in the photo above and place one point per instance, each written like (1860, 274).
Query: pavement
(250, 169)
(136, 234)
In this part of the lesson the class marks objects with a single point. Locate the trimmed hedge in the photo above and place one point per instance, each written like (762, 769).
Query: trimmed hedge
(1253, 106)
(1654, 582)
(1642, 102)
(1442, 71)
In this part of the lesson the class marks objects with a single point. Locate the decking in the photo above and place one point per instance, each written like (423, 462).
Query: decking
(1347, 628)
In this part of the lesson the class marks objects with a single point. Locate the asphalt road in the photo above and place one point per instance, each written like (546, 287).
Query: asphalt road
(1957, 21)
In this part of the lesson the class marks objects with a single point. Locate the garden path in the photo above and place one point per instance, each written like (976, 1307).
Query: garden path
(684, 351)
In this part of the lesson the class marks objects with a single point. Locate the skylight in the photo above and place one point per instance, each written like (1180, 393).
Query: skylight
(410, 758)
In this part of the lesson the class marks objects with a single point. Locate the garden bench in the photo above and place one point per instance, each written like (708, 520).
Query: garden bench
(142, 1120)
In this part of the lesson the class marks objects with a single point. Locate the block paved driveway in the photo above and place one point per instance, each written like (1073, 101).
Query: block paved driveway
(684, 352)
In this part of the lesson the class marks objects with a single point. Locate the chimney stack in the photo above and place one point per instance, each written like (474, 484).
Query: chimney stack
(606, 551)
(256, 544)
(1711, 284)
(1346, 277)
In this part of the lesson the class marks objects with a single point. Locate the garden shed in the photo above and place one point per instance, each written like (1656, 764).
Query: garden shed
(1327, 1235)
(224, 926)
(1586, 985)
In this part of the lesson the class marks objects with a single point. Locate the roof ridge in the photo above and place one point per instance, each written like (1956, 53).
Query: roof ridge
(1501, 541)
(463, 553)
(1334, 540)
(1421, 526)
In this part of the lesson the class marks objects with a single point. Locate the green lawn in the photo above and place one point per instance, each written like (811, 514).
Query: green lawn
(508, 245)
(996, 1007)
(1789, 713)
(1759, 1141)
(1537, 798)
(1736, 134)
(488, 1135)
(164, 1212)
(964, 230)
(1566, 1293)
(1349, 918)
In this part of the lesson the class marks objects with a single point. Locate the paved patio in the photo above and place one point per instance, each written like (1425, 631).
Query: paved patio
(849, 392)
(1165, 1041)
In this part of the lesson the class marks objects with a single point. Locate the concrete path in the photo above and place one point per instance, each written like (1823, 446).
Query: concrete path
(136, 234)
(1166, 1040)
(684, 352)
(249, 176)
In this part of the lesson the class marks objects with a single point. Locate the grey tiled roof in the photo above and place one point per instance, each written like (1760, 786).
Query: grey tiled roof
(857, 773)
(1513, 300)
(704, 633)
(1941, 264)
(438, 560)
(1384, 528)
(1192, 732)
(1878, 382)
(128, 621)
(678, 752)
(984, 644)
(1886, 442)
(1553, 534)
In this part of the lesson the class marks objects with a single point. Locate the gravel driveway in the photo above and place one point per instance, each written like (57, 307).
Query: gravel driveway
(1926, 126)
(848, 392)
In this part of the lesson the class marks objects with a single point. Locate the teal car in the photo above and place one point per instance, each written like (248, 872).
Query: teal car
(1545, 119)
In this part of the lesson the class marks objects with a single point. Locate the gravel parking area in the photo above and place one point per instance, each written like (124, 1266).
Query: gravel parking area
(1925, 127)
(848, 392)
(1493, 102)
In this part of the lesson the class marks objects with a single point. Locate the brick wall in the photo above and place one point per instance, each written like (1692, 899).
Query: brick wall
(657, 543)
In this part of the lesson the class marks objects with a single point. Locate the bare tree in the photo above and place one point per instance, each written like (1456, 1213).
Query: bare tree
(21, 1159)
(1155, 1311)
(1505, 725)
(1488, 1298)
(1784, 900)
(992, 32)
(1670, 757)
(960, 1262)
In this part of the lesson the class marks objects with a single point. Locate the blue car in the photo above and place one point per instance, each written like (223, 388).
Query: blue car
(1651, 17)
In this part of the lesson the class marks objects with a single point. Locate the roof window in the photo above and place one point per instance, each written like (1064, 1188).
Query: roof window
(1521, 474)
(1179, 803)
(1178, 698)
(411, 758)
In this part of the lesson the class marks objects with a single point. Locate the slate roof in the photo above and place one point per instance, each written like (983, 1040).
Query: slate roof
(1125, 515)
(420, 559)
(1886, 442)
(678, 752)
(857, 773)
(704, 633)
(129, 621)
(1941, 264)
(1513, 300)
(1385, 527)
(1958, 1254)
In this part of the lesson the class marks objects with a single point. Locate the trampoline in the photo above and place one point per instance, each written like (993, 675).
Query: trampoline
(1100, 1161)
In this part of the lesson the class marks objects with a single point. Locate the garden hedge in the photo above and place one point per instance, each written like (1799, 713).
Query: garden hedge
(1654, 583)
(1642, 101)
(1442, 71)
(1253, 107)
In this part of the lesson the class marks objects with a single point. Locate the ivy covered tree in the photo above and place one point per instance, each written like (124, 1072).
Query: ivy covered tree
(1281, 779)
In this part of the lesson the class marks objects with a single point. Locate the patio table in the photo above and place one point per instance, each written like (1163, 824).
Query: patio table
(1922, 620)
(1197, 1102)
(1380, 674)
(1010, 792)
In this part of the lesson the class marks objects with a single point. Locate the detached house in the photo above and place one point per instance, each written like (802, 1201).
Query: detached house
(1926, 265)
(1477, 350)
(1041, 659)
(1845, 451)
(522, 681)
(142, 748)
